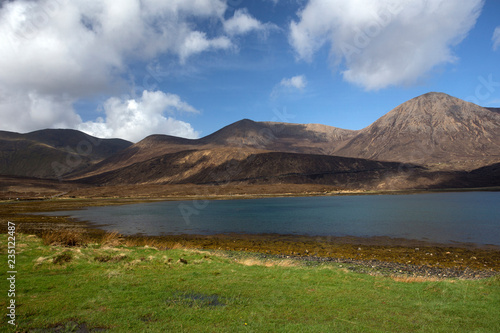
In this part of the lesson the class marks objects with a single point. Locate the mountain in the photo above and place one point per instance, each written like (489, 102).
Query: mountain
(274, 136)
(244, 134)
(52, 153)
(229, 165)
(434, 129)
(434, 140)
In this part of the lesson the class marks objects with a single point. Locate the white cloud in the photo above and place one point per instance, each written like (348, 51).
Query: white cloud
(289, 85)
(197, 42)
(242, 22)
(29, 111)
(55, 52)
(496, 38)
(82, 45)
(297, 82)
(134, 119)
(383, 42)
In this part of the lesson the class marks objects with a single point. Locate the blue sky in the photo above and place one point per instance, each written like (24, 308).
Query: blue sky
(133, 68)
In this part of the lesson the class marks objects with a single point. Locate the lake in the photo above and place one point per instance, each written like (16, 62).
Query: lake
(438, 217)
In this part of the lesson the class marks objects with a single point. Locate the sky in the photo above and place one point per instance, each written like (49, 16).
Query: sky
(131, 68)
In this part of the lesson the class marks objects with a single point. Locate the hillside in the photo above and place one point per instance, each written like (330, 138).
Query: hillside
(432, 129)
(446, 141)
(229, 165)
(274, 136)
(244, 134)
(52, 153)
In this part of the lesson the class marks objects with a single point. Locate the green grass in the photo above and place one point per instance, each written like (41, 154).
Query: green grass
(127, 289)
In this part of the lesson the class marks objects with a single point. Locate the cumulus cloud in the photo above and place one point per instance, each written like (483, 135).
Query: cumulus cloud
(383, 42)
(56, 52)
(197, 42)
(28, 111)
(297, 82)
(288, 85)
(242, 22)
(133, 119)
(81, 45)
(496, 38)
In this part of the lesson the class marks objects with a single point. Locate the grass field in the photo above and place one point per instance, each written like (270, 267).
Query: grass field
(112, 287)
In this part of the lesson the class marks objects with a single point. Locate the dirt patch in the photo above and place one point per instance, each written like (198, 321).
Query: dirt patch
(192, 299)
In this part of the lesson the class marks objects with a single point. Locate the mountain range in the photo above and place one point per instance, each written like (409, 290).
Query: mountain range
(51, 153)
(433, 140)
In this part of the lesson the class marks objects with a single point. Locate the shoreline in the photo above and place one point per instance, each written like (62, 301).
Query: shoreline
(36, 191)
(408, 256)
(36, 208)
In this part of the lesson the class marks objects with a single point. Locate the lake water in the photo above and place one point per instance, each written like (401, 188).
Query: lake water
(438, 217)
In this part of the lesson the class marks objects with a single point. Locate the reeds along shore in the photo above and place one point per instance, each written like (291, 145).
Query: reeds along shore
(426, 261)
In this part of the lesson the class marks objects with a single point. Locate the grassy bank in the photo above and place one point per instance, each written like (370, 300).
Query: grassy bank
(120, 288)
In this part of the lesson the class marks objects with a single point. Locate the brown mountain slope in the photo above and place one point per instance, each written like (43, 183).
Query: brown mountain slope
(244, 134)
(223, 165)
(432, 129)
(488, 176)
(278, 136)
(52, 153)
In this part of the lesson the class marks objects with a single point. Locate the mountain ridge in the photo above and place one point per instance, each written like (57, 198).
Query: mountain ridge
(431, 140)
(430, 129)
(52, 153)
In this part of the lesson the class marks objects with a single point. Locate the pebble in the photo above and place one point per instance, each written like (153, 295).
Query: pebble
(383, 267)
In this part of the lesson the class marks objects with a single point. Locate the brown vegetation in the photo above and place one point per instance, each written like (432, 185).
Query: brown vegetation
(65, 237)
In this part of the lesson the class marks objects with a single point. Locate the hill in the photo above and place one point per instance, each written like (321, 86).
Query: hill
(433, 129)
(244, 134)
(221, 166)
(52, 153)
(434, 140)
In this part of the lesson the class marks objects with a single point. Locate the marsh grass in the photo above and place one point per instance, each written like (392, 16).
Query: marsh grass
(65, 237)
(111, 239)
(146, 289)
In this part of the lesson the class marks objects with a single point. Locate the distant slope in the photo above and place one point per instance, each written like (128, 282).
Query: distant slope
(432, 129)
(224, 165)
(279, 136)
(244, 134)
(456, 143)
(52, 153)
(219, 166)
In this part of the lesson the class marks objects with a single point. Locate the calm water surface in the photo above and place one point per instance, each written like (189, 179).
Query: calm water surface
(439, 217)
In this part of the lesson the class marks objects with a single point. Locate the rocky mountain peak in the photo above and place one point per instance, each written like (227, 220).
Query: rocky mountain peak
(433, 128)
